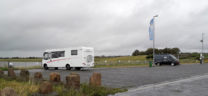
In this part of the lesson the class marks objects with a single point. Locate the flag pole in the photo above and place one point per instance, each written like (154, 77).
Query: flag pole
(153, 54)
(154, 40)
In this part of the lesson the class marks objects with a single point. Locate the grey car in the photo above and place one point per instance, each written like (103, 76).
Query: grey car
(167, 59)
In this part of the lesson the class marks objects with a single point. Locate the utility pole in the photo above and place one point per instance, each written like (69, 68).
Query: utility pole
(202, 56)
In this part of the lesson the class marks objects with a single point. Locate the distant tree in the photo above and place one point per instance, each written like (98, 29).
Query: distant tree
(157, 51)
(32, 57)
(135, 53)
(149, 51)
(15, 57)
(175, 50)
(142, 53)
(167, 51)
(160, 51)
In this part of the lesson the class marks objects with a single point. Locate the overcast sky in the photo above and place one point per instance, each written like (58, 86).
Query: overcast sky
(112, 27)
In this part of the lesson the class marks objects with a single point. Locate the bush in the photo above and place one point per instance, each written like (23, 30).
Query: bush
(149, 56)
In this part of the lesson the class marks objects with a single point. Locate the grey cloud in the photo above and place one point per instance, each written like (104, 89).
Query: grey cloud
(112, 27)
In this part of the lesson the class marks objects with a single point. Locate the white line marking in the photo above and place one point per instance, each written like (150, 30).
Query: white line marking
(189, 79)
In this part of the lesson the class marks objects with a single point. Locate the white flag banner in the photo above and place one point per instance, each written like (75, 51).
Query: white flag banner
(151, 29)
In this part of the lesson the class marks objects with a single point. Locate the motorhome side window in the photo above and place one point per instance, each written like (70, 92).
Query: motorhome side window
(57, 54)
(74, 52)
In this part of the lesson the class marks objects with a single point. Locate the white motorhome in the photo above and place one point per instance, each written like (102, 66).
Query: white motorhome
(68, 58)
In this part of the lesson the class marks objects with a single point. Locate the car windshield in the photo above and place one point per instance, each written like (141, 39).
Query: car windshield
(173, 57)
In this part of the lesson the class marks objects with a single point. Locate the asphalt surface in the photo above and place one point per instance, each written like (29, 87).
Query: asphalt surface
(193, 86)
(133, 77)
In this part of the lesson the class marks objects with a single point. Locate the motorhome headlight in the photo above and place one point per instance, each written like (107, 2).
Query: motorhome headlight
(89, 58)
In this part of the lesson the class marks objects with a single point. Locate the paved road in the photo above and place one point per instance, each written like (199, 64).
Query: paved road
(193, 86)
(134, 77)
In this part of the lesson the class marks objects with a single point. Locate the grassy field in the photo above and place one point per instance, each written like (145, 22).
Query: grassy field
(22, 88)
(21, 60)
(131, 61)
(143, 57)
(123, 61)
(123, 58)
(120, 65)
(28, 88)
(19, 68)
(188, 61)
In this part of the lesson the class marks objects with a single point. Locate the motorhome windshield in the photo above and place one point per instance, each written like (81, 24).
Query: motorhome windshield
(45, 55)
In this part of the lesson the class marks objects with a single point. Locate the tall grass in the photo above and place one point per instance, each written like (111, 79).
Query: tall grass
(19, 68)
(28, 88)
(22, 88)
(86, 90)
(123, 58)
(22, 60)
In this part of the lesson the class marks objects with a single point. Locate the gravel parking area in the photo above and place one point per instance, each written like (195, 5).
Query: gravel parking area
(133, 77)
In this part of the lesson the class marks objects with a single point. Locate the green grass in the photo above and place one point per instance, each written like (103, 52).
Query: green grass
(123, 58)
(3, 68)
(86, 90)
(142, 57)
(120, 65)
(22, 60)
(28, 88)
(32, 67)
(124, 61)
(112, 61)
(188, 61)
(206, 60)
(22, 88)
(19, 68)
